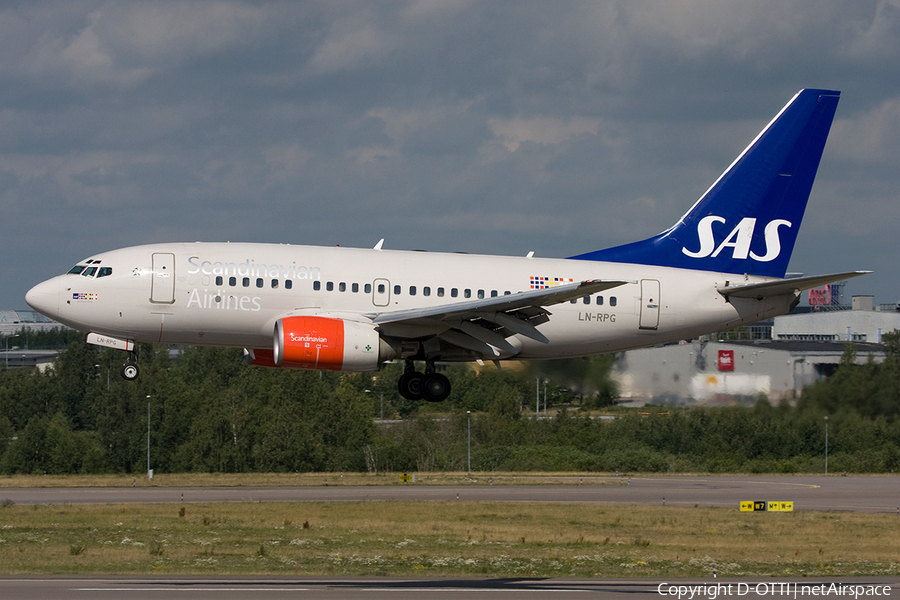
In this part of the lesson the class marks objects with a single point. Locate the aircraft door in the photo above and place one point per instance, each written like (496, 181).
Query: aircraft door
(381, 292)
(162, 286)
(649, 304)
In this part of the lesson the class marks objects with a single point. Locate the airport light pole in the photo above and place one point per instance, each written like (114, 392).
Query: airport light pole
(469, 441)
(826, 444)
(149, 474)
(107, 375)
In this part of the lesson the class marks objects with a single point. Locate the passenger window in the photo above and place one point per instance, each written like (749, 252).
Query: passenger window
(368, 288)
(612, 301)
(381, 288)
(573, 300)
(599, 300)
(317, 285)
(396, 290)
(246, 281)
(288, 284)
(467, 293)
(440, 292)
(354, 288)
(507, 293)
(329, 287)
(587, 299)
(480, 294)
(426, 291)
(232, 281)
(274, 284)
(412, 290)
(89, 272)
(219, 280)
(493, 293)
(342, 287)
(260, 282)
(454, 292)
(76, 270)
(104, 272)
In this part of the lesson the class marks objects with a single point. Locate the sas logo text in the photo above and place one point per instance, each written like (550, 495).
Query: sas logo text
(738, 240)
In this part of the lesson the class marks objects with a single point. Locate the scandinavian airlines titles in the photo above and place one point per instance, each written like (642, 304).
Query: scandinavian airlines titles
(251, 268)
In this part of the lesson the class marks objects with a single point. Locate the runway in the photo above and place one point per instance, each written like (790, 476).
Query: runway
(872, 494)
(277, 588)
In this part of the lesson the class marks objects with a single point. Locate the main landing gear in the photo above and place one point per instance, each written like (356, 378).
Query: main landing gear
(430, 386)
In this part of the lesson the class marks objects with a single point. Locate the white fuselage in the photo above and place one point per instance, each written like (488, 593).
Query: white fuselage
(232, 294)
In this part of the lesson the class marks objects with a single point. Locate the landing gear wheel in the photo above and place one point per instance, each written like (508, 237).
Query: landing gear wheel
(410, 385)
(130, 371)
(435, 387)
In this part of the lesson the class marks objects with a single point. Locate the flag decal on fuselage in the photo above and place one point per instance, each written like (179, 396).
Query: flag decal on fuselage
(543, 283)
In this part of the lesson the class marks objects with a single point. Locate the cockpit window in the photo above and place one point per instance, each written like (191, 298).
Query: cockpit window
(76, 270)
(89, 272)
(104, 272)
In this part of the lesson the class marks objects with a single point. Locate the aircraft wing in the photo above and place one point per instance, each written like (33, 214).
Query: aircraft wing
(758, 291)
(475, 324)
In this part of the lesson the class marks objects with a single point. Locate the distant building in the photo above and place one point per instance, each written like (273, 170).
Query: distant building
(778, 358)
(863, 323)
(14, 351)
(13, 321)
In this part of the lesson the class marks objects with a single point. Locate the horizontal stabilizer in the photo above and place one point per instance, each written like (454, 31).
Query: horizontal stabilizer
(780, 287)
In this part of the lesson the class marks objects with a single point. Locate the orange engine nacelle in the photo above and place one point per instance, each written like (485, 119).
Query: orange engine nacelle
(329, 344)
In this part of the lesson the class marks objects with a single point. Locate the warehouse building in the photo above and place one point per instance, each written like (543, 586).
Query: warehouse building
(781, 357)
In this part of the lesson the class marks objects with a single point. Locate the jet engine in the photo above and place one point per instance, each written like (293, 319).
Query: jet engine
(325, 343)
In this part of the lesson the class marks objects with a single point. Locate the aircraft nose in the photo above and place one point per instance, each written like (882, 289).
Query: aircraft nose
(44, 298)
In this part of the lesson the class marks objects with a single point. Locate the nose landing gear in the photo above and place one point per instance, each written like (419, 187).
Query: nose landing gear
(130, 370)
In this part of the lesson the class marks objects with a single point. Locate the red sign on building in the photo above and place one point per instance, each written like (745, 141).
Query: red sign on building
(726, 360)
(820, 297)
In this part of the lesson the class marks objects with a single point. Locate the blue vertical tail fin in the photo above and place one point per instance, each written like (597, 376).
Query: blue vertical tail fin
(747, 221)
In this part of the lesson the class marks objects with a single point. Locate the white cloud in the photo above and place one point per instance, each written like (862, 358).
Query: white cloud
(372, 153)
(878, 37)
(869, 138)
(85, 50)
(542, 130)
(352, 41)
(286, 160)
(123, 43)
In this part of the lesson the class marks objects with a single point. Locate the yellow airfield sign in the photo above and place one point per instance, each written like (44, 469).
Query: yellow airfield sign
(767, 506)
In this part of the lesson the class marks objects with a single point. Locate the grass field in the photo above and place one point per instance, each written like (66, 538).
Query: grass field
(442, 539)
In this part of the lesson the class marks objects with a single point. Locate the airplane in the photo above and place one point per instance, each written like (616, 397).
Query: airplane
(722, 265)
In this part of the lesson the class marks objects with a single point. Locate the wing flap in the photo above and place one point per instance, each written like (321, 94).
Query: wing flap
(466, 341)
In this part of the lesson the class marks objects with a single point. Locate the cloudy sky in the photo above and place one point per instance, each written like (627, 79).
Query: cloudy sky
(490, 127)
